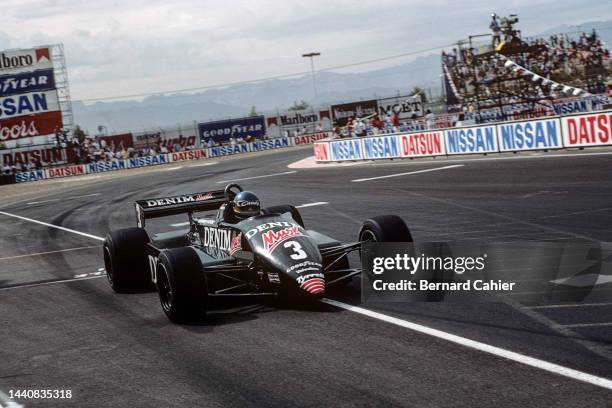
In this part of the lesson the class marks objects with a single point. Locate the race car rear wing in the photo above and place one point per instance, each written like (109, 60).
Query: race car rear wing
(187, 203)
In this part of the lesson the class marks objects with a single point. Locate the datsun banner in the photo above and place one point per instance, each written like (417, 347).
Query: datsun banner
(422, 144)
(347, 149)
(587, 130)
(43, 155)
(188, 155)
(530, 135)
(381, 147)
(223, 130)
(477, 139)
(307, 139)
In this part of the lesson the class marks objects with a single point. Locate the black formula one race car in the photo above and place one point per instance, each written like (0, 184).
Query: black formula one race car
(241, 250)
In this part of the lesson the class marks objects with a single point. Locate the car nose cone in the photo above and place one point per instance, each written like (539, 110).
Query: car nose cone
(314, 286)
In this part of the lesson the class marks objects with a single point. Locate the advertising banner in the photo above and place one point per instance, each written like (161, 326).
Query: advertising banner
(228, 150)
(14, 61)
(478, 139)
(21, 127)
(28, 104)
(74, 170)
(45, 155)
(381, 147)
(222, 130)
(147, 161)
(298, 122)
(403, 106)
(270, 144)
(321, 152)
(118, 141)
(530, 135)
(341, 112)
(587, 130)
(103, 166)
(422, 144)
(347, 149)
(307, 139)
(30, 176)
(169, 138)
(188, 155)
(585, 104)
(25, 82)
(146, 139)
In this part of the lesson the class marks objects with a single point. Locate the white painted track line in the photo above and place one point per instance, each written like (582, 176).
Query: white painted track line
(6, 258)
(32, 285)
(62, 199)
(257, 177)
(561, 306)
(408, 173)
(578, 325)
(476, 345)
(52, 226)
(312, 204)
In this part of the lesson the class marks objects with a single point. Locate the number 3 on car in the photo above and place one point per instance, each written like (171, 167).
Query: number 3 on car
(298, 253)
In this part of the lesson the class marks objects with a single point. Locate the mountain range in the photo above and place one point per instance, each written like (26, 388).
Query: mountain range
(183, 109)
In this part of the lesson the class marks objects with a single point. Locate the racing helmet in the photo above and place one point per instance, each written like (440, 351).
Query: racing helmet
(245, 204)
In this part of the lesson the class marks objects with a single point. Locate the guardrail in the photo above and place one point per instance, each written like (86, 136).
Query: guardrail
(559, 132)
(137, 162)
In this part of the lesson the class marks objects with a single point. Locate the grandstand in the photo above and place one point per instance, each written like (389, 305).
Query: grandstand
(513, 74)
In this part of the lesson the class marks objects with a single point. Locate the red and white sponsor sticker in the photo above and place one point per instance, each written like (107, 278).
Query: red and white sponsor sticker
(315, 286)
(236, 244)
(272, 239)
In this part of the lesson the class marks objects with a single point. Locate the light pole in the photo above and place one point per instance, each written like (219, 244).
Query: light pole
(311, 55)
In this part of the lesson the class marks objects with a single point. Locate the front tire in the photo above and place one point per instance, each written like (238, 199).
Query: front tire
(385, 228)
(125, 260)
(182, 285)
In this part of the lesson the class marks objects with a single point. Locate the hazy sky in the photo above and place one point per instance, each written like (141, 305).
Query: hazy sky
(132, 46)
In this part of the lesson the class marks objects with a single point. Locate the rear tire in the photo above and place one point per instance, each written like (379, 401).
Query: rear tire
(126, 261)
(385, 228)
(282, 209)
(182, 285)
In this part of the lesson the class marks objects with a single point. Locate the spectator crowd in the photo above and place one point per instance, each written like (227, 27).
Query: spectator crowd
(483, 78)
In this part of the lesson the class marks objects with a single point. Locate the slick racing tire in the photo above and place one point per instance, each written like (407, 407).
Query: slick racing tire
(385, 228)
(282, 209)
(182, 285)
(126, 261)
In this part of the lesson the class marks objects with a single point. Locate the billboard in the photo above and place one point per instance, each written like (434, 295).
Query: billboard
(221, 130)
(22, 127)
(298, 122)
(24, 82)
(13, 61)
(587, 130)
(29, 104)
(403, 106)
(341, 112)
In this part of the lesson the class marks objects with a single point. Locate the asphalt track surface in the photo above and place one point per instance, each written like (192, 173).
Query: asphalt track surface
(120, 350)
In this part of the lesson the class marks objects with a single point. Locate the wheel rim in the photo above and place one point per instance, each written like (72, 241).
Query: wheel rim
(108, 265)
(164, 288)
(368, 236)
